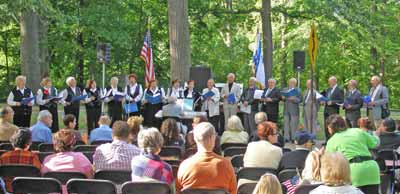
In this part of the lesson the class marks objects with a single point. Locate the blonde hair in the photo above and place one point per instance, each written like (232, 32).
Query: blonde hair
(335, 169)
(134, 123)
(312, 167)
(234, 123)
(268, 184)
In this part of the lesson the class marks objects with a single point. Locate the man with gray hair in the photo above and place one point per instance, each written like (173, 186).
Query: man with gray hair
(352, 104)
(231, 94)
(335, 96)
(206, 169)
(41, 131)
(172, 109)
(248, 102)
(270, 99)
(378, 107)
(291, 109)
(71, 106)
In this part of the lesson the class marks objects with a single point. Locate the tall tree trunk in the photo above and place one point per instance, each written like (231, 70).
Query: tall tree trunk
(267, 38)
(44, 58)
(30, 66)
(283, 50)
(179, 39)
(80, 53)
(5, 49)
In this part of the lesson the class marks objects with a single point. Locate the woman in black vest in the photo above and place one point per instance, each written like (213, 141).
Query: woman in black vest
(72, 106)
(175, 90)
(114, 100)
(92, 104)
(22, 108)
(191, 93)
(152, 106)
(47, 99)
(134, 93)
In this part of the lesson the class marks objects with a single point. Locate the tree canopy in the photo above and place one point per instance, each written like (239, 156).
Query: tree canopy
(357, 39)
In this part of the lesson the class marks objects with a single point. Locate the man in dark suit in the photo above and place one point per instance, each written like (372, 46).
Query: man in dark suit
(296, 159)
(270, 99)
(352, 104)
(335, 95)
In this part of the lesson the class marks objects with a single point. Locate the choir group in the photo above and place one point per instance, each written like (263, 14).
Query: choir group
(232, 98)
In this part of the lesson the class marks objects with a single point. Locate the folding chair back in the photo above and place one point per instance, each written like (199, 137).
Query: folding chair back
(6, 146)
(246, 188)
(116, 176)
(287, 174)
(46, 147)
(231, 151)
(145, 187)
(254, 173)
(64, 177)
(85, 148)
(174, 152)
(15, 170)
(91, 186)
(34, 185)
(227, 145)
(99, 142)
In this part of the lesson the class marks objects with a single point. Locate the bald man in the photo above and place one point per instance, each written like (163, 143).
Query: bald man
(291, 110)
(352, 104)
(379, 101)
(335, 95)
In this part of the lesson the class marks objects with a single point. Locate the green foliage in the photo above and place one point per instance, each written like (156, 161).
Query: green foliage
(221, 37)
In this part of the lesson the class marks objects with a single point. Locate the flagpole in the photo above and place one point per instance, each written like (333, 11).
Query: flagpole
(313, 47)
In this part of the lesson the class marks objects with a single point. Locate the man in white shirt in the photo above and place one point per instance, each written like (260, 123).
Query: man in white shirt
(17, 100)
(231, 93)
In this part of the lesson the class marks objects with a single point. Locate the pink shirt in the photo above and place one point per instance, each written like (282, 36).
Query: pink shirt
(68, 162)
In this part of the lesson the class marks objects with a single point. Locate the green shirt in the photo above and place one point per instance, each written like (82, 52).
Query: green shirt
(356, 142)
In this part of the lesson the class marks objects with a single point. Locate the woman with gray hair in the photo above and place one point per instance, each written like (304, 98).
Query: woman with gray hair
(234, 132)
(114, 100)
(148, 165)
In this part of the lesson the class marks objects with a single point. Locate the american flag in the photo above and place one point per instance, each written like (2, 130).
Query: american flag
(147, 55)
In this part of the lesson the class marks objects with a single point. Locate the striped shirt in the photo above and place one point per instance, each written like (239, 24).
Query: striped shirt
(115, 156)
(151, 166)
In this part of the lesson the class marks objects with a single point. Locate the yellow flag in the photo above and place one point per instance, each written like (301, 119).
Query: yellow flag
(313, 45)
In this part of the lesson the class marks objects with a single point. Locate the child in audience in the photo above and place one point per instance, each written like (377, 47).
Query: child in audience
(268, 184)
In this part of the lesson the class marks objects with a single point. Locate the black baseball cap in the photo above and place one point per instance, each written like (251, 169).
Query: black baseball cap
(304, 136)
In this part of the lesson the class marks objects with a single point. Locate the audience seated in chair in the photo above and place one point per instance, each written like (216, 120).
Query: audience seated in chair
(172, 109)
(7, 129)
(259, 118)
(21, 141)
(295, 159)
(103, 132)
(191, 144)
(271, 154)
(335, 174)
(234, 132)
(310, 174)
(268, 184)
(205, 169)
(135, 125)
(148, 165)
(118, 154)
(69, 121)
(65, 160)
(170, 132)
(389, 138)
(41, 131)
